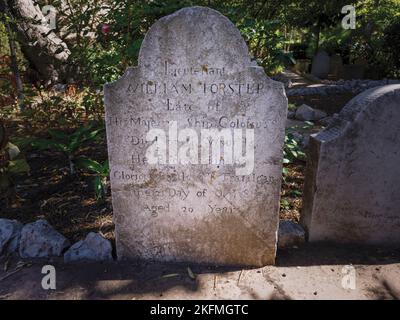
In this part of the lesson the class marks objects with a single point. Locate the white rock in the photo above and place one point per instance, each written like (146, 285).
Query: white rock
(291, 115)
(40, 240)
(10, 234)
(306, 113)
(59, 87)
(318, 114)
(290, 234)
(325, 121)
(94, 247)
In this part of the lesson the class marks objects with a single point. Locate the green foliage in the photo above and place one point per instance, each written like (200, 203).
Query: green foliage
(285, 204)
(293, 150)
(265, 42)
(68, 144)
(391, 47)
(274, 31)
(271, 29)
(52, 109)
(4, 49)
(375, 39)
(12, 164)
(101, 171)
(92, 102)
(101, 56)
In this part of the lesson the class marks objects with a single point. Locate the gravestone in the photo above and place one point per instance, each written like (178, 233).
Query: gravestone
(352, 192)
(195, 135)
(336, 66)
(320, 65)
(353, 71)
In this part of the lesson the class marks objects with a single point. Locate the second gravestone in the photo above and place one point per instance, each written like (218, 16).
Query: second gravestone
(351, 192)
(195, 136)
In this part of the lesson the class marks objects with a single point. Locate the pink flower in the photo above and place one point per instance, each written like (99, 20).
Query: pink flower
(105, 29)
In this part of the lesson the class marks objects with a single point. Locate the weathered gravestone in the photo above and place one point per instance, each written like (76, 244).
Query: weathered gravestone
(320, 65)
(181, 192)
(352, 192)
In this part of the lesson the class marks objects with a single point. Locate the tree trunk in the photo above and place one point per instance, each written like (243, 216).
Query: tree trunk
(46, 52)
(317, 33)
(14, 67)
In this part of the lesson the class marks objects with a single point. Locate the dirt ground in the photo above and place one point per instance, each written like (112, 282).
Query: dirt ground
(310, 272)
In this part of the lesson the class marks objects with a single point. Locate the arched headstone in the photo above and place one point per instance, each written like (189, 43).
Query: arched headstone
(352, 192)
(179, 194)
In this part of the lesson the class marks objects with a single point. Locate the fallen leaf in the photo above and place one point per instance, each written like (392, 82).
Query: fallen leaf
(171, 275)
(191, 274)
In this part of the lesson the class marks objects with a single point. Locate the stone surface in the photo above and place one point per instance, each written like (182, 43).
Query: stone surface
(10, 233)
(290, 234)
(93, 248)
(319, 114)
(305, 141)
(291, 115)
(320, 65)
(306, 113)
(326, 121)
(352, 192)
(195, 74)
(40, 240)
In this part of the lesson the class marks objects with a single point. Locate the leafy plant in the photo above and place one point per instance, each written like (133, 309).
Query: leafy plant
(292, 150)
(11, 164)
(53, 109)
(101, 170)
(392, 46)
(285, 204)
(92, 101)
(68, 144)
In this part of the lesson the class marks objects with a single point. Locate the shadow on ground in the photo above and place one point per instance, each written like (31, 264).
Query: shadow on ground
(314, 254)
